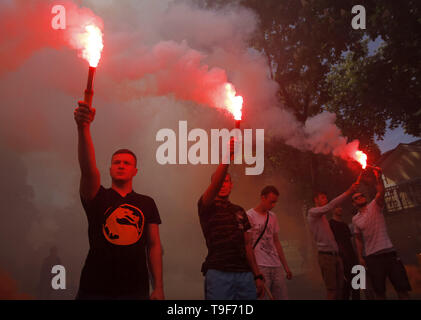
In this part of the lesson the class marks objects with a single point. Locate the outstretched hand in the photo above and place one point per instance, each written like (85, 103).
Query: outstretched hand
(377, 172)
(353, 188)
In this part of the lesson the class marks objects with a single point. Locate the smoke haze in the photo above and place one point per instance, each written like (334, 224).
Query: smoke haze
(163, 61)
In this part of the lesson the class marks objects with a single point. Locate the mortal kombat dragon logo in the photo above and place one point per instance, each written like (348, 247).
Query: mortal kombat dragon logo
(123, 225)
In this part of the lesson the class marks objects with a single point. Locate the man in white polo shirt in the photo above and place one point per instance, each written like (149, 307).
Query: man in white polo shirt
(267, 248)
(381, 259)
(329, 261)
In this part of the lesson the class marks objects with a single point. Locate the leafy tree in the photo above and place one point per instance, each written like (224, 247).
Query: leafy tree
(369, 90)
(321, 63)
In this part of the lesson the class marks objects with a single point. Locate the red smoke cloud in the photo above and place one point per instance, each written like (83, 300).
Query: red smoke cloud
(25, 27)
(134, 66)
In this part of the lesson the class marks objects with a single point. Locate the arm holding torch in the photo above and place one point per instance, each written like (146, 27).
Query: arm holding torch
(217, 179)
(379, 186)
(364, 169)
(90, 178)
(318, 211)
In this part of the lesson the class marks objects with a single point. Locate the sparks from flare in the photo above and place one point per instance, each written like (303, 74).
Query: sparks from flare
(233, 102)
(361, 157)
(91, 43)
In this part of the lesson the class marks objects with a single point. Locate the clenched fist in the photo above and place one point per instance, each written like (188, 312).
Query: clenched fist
(83, 114)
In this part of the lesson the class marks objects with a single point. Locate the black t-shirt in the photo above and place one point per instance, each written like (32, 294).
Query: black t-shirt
(343, 237)
(117, 228)
(223, 225)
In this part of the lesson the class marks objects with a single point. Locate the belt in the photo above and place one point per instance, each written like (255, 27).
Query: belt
(331, 253)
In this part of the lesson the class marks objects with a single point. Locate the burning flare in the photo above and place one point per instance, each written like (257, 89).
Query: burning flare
(361, 157)
(91, 43)
(233, 103)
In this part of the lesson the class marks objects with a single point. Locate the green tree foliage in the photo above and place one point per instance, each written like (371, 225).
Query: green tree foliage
(321, 63)
(373, 91)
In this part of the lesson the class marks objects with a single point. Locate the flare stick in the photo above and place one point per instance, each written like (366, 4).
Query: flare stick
(89, 92)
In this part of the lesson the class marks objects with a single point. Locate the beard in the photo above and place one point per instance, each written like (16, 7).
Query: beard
(361, 205)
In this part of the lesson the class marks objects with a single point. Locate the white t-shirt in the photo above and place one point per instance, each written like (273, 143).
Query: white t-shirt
(265, 251)
(370, 222)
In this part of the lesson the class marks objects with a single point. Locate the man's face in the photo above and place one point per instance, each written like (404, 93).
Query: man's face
(269, 201)
(123, 167)
(226, 187)
(320, 200)
(359, 200)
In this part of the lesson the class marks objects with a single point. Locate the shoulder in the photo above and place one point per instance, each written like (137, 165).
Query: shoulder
(144, 202)
(373, 205)
(143, 198)
(356, 220)
(99, 196)
(250, 212)
(272, 217)
(236, 208)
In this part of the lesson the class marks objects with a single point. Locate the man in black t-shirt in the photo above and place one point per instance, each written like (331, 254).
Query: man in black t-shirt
(123, 226)
(343, 237)
(230, 268)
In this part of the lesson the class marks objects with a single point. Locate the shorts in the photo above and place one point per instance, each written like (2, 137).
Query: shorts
(387, 265)
(223, 285)
(332, 271)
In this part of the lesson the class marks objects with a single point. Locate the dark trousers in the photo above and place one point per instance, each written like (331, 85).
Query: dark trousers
(348, 292)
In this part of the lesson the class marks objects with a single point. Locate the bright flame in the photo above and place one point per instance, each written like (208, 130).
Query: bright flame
(233, 103)
(91, 43)
(361, 157)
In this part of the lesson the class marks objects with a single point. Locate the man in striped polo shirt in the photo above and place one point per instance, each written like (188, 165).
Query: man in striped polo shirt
(230, 268)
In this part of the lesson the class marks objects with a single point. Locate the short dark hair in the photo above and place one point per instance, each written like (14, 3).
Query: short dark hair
(269, 189)
(126, 151)
(228, 174)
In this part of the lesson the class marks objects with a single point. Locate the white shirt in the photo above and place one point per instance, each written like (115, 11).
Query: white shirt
(319, 226)
(265, 251)
(371, 224)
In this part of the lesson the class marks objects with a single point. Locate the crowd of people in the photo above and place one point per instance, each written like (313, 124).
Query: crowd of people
(245, 259)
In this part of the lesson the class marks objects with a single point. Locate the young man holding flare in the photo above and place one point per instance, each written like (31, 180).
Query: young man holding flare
(122, 225)
(328, 252)
(230, 268)
(371, 234)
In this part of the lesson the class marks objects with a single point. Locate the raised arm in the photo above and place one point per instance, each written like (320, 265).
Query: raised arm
(90, 179)
(379, 186)
(319, 211)
(217, 180)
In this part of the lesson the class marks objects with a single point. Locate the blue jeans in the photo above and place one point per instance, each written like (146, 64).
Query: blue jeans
(222, 285)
